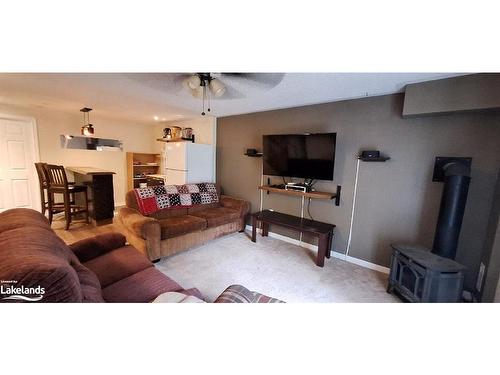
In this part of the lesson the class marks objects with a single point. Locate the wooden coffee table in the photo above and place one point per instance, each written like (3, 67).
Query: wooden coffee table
(323, 231)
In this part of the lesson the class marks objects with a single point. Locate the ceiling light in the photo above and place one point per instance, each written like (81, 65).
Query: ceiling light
(198, 92)
(87, 128)
(203, 86)
(217, 87)
(156, 118)
(193, 82)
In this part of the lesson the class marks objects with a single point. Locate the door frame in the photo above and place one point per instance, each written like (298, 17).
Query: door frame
(30, 121)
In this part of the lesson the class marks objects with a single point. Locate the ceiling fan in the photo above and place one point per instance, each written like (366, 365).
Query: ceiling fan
(206, 86)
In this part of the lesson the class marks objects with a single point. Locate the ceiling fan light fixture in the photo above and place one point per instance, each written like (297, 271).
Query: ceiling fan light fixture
(197, 92)
(217, 87)
(193, 82)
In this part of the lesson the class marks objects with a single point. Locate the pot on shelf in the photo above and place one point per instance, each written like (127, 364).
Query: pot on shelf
(172, 132)
(187, 133)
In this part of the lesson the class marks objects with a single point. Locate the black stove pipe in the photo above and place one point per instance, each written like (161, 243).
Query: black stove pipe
(451, 212)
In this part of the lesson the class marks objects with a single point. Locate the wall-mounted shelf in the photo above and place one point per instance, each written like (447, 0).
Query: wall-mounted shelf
(257, 155)
(380, 159)
(176, 139)
(309, 194)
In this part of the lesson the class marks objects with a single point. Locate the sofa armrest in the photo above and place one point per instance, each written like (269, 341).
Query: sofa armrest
(90, 248)
(143, 229)
(242, 206)
(137, 223)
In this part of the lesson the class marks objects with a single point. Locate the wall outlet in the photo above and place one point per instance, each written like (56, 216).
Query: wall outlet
(480, 276)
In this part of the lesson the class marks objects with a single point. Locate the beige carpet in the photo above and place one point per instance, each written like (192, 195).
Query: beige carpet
(275, 268)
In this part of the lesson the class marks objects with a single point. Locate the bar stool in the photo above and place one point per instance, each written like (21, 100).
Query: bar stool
(43, 181)
(58, 184)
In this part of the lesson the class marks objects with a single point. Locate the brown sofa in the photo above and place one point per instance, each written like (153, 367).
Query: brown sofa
(98, 269)
(173, 230)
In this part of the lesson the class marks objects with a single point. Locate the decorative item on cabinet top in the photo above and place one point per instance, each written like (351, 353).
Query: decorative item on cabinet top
(90, 143)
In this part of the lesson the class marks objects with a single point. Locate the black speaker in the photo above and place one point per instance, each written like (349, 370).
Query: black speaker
(251, 151)
(370, 154)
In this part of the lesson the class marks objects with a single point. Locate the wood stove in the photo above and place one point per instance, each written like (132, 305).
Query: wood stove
(419, 275)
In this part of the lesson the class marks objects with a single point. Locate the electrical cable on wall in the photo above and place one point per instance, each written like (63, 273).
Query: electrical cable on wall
(352, 212)
(308, 205)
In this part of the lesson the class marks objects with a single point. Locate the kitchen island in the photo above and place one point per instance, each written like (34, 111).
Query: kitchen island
(101, 194)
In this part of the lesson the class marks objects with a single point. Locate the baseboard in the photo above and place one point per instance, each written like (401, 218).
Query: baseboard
(335, 254)
(119, 204)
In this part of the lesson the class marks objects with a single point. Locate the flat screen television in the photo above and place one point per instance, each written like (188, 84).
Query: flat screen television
(309, 156)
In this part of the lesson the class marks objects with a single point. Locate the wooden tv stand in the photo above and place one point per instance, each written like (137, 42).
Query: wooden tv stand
(303, 194)
(323, 231)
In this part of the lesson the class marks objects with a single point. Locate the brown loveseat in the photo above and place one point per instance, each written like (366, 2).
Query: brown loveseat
(97, 269)
(172, 230)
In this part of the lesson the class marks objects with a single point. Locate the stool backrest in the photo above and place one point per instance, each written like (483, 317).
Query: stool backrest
(43, 177)
(57, 175)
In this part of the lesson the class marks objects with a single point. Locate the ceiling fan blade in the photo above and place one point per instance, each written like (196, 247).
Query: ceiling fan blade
(265, 80)
(231, 93)
(173, 82)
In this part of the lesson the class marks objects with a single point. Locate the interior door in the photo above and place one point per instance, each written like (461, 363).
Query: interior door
(18, 153)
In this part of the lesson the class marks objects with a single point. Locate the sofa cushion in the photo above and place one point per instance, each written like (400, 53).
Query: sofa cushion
(217, 216)
(201, 207)
(176, 226)
(117, 264)
(143, 286)
(165, 214)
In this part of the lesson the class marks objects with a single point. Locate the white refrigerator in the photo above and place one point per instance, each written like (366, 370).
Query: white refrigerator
(187, 162)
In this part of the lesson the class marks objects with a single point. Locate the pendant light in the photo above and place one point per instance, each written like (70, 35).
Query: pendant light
(87, 128)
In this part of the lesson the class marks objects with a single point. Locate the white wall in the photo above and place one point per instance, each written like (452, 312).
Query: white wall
(51, 124)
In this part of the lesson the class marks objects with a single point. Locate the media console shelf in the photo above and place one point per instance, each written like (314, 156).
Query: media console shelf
(309, 194)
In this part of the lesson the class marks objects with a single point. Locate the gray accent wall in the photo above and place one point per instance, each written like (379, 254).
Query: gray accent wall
(396, 200)
(491, 252)
(472, 92)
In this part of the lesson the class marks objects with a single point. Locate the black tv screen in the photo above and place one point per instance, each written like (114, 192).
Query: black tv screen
(309, 156)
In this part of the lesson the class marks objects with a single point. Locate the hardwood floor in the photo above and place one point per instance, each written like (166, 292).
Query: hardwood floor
(80, 230)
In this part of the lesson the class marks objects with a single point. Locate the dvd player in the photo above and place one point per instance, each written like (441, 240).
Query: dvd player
(297, 187)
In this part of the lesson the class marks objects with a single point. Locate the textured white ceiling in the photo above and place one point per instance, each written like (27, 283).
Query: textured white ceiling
(141, 96)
